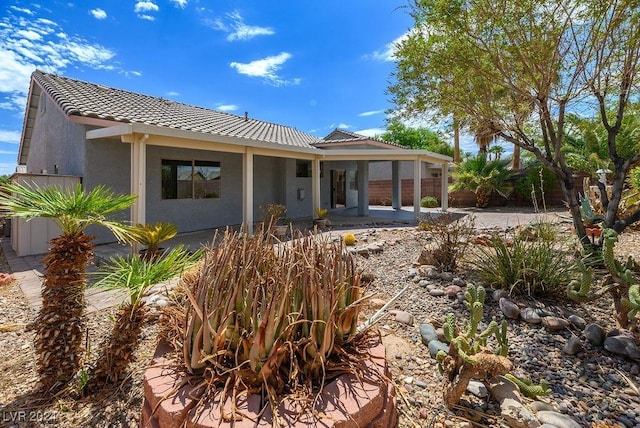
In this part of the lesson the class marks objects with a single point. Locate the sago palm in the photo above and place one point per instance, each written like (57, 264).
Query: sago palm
(59, 325)
(135, 275)
(483, 177)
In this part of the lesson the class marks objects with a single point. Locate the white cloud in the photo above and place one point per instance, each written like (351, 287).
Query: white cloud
(142, 8)
(180, 3)
(11, 137)
(23, 10)
(98, 13)
(29, 35)
(8, 152)
(27, 43)
(267, 68)
(236, 29)
(227, 107)
(173, 94)
(145, 6)
(340, 126)
(388, 52)
(371, 132)
(370, 113)
(7, 168)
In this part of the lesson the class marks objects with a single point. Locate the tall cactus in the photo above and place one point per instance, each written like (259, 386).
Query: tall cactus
(619, 282)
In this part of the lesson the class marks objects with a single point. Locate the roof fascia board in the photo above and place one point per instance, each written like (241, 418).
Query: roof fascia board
(168, 137)
(392, 154)
(127, 131)
(355, 142)
(94, 121)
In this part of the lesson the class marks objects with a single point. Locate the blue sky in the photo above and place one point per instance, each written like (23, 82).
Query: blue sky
(313, 65)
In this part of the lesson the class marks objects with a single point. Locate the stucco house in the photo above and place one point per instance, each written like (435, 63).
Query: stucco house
(193, 166)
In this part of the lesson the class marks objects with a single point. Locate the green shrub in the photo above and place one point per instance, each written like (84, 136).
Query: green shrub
(429, 202)
(535, 268)
(535, 179)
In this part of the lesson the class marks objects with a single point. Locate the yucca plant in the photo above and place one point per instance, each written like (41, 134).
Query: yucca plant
(60, 323)
(272, 318)
(152, 235)
(535, 268)
(136, 275)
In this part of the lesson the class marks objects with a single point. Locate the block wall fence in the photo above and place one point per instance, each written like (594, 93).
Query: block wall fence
(380, 194)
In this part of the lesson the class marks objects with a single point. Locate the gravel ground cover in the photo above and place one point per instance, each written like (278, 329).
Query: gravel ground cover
(594, 387)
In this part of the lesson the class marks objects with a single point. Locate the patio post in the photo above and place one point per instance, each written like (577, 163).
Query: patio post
(247, 185)
(396, 186)
(138, 181)
(417, 190)
(315, 186)
(363, 188)
(444, 197)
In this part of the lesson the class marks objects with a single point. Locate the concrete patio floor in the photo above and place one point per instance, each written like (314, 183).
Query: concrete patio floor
(28, 270)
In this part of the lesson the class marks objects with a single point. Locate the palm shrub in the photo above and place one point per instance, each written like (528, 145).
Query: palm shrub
(136, 275)
(483, 177)
(152, 235)
(60, 323)
(530, 267)
(271, 318)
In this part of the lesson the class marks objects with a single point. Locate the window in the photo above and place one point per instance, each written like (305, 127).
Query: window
(303, 168)
(190, 179)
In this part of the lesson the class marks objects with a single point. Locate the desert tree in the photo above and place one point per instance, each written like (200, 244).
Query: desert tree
(519, 68)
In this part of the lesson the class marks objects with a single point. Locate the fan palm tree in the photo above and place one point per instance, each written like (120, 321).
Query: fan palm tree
(60, 323)
(136, 275)
(483, 177)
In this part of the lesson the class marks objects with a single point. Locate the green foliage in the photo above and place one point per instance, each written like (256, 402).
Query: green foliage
(72, 209)
(152, 235)
(528, 388)
(483, 177)
(416, 138)
(619, 276)
(480, 62)
(429, 202)
(450, 240)
(536, 268)
(137, 275)
(589, 217)
(534, 180)
(466, 340)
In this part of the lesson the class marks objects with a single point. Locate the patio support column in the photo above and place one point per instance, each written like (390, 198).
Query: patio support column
(444, 197)
(363, 188)
(396, 186)
(417, 190)
(247, 186)
(315, 187)
(139, 178)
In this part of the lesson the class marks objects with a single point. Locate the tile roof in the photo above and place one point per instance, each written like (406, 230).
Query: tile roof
(343, 136)
(80, 98)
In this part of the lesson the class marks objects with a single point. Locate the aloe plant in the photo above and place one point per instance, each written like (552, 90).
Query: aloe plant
(272, 317)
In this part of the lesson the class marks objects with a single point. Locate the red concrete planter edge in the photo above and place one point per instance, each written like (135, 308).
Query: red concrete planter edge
(345, 402)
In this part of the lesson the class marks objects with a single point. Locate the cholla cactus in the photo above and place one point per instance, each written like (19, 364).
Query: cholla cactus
(528, 388)
(469, 356)
(619, 282)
